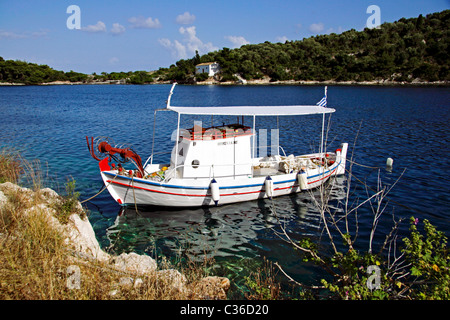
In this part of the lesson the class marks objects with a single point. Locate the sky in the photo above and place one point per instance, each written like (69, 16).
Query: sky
(106, 35)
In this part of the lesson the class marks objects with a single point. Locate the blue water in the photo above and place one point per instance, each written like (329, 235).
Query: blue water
(408, 124)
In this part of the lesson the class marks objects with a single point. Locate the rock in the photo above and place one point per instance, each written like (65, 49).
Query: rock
(3, 199)
(83, 238)
(126, 282)
(172, 278)
(49, 194)
(9, 188)
(134, 263)
(210, 288)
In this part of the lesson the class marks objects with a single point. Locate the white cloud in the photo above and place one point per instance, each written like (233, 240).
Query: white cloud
(337, 31)
(282, 39)
(178, 50)
(185, 18)
(113, 60)
(188, 45)
(141, 22)
(99, 27)
(117, 29)
(23, 35)
(194, 43)
(316, 27)
(237, 41)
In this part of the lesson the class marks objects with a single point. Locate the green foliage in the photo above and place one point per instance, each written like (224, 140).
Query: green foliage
(140, 77)
(31, 73)
(262, 284)
(430, 261)
(201, 76)
(422, 272)
(400, 51)
(69, 203)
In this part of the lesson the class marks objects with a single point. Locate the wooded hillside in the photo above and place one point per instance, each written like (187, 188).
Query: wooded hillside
(415, 48)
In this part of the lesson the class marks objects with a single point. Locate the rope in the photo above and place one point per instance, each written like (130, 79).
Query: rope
(106, 187)
(103, 189)
(362, 165)
(134, 195)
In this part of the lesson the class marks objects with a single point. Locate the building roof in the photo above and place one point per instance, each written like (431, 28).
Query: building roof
(205, 64)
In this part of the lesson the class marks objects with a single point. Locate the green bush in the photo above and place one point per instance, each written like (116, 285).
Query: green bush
(201, 76)
(421, 272)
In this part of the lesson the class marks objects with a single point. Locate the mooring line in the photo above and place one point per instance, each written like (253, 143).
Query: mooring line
(103, 189)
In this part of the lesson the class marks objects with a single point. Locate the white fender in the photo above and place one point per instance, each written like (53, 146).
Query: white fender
(302, 179)
(389, 162)
(215, 191)
(269, 187)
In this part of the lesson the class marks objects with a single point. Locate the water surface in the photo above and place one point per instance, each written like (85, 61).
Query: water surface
(408, 124)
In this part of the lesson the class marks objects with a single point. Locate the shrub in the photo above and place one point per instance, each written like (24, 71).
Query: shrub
(69, 204)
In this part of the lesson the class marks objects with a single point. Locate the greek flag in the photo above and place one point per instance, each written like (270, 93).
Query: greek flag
(323, 102)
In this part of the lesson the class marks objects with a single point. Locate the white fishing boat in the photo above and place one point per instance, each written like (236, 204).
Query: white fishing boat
(217, 165)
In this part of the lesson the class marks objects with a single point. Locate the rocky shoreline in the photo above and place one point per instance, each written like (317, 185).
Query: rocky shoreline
(80, 238)
(262, 82)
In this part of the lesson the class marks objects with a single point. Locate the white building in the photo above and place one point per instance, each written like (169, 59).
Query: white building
(211, 68)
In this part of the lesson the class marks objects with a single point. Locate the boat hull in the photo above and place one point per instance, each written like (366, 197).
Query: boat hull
(128, 190)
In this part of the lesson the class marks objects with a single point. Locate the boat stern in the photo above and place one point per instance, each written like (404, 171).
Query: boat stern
(341, 157)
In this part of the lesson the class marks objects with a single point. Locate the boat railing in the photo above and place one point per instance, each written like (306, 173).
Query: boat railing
(211, 172)
(152, 156)
(269, 147)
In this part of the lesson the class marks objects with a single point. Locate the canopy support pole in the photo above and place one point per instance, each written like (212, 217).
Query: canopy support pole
(153, 136)
(176, 143)
(254, 136)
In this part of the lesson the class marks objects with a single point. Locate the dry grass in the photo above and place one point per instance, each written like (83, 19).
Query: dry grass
(10, 166)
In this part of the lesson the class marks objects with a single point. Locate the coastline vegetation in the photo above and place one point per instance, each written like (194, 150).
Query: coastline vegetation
(406, 51)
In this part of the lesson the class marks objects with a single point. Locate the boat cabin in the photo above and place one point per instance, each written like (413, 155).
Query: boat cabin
(223, 151)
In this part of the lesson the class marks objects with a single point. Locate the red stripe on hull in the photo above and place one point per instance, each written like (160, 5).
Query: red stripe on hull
(205, 195)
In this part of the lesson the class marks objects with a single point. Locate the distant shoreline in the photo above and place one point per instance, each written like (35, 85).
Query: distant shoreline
(264, 82)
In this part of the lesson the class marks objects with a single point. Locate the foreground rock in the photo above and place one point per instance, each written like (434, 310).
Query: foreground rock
(80, 236)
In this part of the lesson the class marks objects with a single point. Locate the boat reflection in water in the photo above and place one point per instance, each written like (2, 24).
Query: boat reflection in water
(239, 231)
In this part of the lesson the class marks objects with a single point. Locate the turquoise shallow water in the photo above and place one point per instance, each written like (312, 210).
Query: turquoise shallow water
(409, 124)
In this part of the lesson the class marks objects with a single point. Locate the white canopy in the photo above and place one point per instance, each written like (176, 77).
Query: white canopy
(253, 110)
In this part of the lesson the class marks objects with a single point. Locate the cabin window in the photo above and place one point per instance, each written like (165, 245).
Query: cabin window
(195, 164)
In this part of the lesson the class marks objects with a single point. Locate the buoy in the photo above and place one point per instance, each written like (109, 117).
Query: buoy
(389, 162)
(269, 187)
(215, 191)
(302, 179)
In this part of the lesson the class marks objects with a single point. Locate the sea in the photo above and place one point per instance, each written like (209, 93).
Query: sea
(48, 126)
